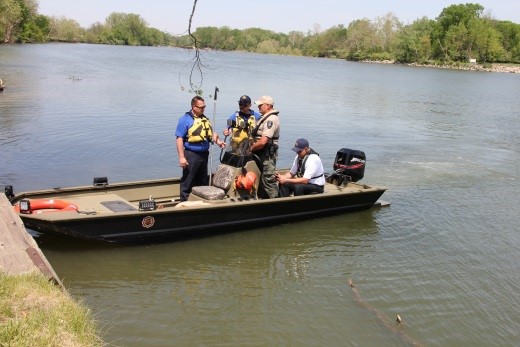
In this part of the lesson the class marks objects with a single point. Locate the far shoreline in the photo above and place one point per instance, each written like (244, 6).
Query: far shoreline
(483, 67)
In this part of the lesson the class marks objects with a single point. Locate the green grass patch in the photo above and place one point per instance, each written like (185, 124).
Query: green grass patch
(35, 312)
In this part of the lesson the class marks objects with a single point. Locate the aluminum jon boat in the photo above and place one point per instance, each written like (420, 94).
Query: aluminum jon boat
(150, 211)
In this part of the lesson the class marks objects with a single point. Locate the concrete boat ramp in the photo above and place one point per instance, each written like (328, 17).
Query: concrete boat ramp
(19, 253)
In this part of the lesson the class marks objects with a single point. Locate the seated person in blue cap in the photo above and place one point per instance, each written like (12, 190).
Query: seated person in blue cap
(306, 175)
(240, 125)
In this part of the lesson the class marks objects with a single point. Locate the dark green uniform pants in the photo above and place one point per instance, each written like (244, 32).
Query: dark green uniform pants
(268, 187)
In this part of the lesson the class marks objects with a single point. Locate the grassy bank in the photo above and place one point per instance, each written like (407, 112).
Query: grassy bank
(35, 312)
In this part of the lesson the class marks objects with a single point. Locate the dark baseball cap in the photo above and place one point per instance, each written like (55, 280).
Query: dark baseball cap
(244, 100)
(300, 144)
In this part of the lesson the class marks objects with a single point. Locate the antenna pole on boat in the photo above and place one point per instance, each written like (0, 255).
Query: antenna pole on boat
(213, 122)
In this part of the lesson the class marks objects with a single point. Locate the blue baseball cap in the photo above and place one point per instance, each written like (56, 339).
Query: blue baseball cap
(300, 144)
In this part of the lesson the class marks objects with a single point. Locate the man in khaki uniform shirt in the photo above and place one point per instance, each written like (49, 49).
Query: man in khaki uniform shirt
(265, 147)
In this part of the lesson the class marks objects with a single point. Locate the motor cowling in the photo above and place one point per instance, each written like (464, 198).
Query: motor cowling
(350, 163)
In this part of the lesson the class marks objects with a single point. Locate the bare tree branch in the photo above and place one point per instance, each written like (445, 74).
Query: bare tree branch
(195, 86)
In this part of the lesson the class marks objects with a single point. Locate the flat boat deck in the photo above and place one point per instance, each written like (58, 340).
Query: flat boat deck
(127, 201)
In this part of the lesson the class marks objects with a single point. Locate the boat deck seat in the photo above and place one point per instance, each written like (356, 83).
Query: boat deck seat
(222, 180)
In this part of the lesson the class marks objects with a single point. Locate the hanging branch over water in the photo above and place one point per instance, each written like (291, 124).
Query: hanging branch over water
(196, 68)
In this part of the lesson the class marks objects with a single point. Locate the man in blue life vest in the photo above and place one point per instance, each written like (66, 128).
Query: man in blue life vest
(194, 136)
(306, 175)
(240, 126)
(265, 147)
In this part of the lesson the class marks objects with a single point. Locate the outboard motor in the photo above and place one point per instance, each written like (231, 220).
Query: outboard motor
(349, 165)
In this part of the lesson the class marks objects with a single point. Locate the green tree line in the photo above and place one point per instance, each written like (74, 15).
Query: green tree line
(459, 33)
(21, 23)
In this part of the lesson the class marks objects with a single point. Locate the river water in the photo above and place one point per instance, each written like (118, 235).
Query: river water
(444, 255)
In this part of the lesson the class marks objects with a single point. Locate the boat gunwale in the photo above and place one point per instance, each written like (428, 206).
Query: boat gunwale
(229, 202)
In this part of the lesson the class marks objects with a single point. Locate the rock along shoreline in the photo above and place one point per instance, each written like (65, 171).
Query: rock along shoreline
(467, 67)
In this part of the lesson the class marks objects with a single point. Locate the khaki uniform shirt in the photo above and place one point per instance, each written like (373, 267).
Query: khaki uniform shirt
(270, 127)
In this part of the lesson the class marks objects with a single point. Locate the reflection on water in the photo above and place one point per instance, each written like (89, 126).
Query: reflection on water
(443, 256)
(238, 281)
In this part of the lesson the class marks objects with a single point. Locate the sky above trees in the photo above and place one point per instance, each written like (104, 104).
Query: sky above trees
(279, 16)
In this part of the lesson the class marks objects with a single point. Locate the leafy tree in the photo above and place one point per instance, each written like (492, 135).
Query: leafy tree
(268, 47)
(207, 37)
(10, 16)
(509, 39)
(414, 41)
(258, 35)
(97, 33)
(36, 30)
(126, 29)
(157, 37)
(65, 30)
(387, 30)
(138, 30)
(227, 39)
(456, 42)
(248, 42)
(459, 14)
(485, 41)
(329, 43)
(296, 39)
(454, 23)
(14, 14)
(361, 39)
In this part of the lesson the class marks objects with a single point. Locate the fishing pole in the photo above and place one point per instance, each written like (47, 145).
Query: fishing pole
(211, 151)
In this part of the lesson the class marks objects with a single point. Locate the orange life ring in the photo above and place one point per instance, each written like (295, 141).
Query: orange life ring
(48, 205)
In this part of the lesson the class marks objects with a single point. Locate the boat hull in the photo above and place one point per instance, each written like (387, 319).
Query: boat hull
(111, 212)
(160, 226)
